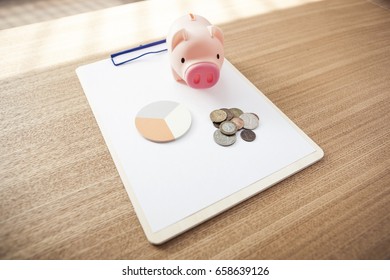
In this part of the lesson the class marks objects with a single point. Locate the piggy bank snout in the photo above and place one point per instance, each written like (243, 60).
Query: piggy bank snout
(202, 75)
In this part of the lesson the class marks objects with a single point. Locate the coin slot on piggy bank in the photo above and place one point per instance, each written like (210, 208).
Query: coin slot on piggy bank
(195, 49)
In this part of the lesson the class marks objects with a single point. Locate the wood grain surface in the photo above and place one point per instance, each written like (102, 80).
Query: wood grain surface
(325, 64)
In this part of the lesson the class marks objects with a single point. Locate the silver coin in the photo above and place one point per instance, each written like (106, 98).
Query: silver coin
(228, 128)
(250, 120)
(256, 115)
(248, 135)
(224, 140)
(218, 116)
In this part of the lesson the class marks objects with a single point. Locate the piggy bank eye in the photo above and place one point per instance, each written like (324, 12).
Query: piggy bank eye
(183, 60)
(218, 56)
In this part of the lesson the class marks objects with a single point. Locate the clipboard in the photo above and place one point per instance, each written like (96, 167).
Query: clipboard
(177, 185)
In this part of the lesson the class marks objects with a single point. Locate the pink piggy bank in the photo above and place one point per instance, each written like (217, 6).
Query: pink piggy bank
(195, 50)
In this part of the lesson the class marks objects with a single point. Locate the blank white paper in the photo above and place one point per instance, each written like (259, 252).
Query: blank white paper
(174, 180)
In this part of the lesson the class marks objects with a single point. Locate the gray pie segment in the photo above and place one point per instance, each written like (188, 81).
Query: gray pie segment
(157, 110)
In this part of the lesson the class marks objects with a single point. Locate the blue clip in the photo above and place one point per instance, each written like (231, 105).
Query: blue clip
(137, 49)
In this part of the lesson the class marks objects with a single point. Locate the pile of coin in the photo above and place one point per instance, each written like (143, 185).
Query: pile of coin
(229, 121)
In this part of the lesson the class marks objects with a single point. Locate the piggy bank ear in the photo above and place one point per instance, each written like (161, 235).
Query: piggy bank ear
(179, 37)
(216, 32)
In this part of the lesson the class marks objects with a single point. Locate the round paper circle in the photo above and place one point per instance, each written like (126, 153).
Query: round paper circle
(163, 121)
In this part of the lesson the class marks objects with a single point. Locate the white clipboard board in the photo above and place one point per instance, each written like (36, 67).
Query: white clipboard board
(177, 185)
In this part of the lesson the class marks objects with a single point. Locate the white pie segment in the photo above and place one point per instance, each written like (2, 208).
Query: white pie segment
(179, 121)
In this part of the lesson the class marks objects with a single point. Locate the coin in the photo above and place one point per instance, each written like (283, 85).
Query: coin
(224, 140)
(236, 112)
(216, 124)
(250, 120)
(229, 114)
(228, 128)
(218, 116)
(248, 135)
(238, 122)
(229, 121)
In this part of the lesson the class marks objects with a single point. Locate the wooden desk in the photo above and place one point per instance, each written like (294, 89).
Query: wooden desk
(325, 64)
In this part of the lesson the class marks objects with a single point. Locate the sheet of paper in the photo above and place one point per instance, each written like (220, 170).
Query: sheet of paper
(174, 180)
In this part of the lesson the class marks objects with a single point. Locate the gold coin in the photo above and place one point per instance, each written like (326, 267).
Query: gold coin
(236, 112)
(218, 116)
(229, 114)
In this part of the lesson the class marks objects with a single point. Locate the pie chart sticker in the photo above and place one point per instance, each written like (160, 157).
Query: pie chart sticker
(163, 121)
